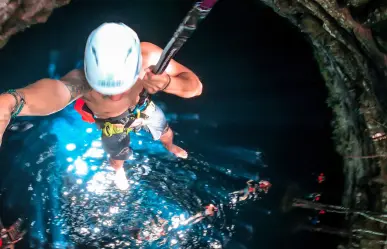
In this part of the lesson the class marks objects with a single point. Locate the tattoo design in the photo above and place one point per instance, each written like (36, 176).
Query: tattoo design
(77, 86)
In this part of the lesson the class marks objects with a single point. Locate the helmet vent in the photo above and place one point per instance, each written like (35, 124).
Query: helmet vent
(127, 55)
(95, 55)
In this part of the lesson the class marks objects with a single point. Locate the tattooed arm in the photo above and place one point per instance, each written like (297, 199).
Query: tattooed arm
(48, 96)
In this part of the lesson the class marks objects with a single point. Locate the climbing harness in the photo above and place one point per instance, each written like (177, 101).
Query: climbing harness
(123, 125)
(110, 129)
(108, 126)
(86, 114)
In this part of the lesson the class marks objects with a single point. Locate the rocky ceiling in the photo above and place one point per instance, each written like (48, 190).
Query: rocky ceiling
(17, 15)
(350, 43)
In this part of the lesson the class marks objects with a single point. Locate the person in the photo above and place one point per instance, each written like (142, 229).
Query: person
(12, 235)
(109, 91)
(251, 190)
(151, 231)
(209, 211)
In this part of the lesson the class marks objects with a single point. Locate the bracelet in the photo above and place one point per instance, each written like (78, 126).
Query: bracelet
(169, 82)
(19, 105)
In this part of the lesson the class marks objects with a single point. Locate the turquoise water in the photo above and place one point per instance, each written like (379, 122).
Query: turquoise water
(74, 200)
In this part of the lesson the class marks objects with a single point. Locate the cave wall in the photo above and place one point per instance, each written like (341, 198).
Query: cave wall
(349, 38)
(17, 15)
(350, 50)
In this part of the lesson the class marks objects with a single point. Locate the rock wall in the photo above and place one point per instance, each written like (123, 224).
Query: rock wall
(350, 50)
(16, 15)
(350, 43)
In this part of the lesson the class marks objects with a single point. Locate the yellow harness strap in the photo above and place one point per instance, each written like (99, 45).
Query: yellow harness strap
(110, 129)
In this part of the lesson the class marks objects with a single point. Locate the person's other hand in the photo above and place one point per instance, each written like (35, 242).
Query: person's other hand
(7, 102)
(154, 83)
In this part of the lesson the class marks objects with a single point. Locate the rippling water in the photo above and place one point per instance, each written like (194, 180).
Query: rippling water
(75, 202)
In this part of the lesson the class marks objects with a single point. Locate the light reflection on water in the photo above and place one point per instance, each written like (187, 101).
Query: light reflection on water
(151, 212)
(164, 192)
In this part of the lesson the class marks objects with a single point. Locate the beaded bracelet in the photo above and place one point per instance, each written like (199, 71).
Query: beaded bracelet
(19, 105)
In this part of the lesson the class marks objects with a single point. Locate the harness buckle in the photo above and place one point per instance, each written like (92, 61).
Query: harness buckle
(110, 129)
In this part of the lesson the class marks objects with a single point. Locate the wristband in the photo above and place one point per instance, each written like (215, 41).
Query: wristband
(19, 105)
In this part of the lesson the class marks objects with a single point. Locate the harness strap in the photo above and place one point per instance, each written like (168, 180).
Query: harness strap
(111, 129)
(84, 111)
(112, 126)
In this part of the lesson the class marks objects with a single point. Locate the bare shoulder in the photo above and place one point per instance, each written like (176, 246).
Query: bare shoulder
(148, 47)
(76, 83)
(150, 53)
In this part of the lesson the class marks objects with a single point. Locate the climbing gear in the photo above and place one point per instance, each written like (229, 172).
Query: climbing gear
(112, 58)
(189, 24)
(19, 104)
(86, 113)
(88, 116)
(122, 125)
(110, 129)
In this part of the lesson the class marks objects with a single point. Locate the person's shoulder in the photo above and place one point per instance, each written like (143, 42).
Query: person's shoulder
(148, 47)
(75, 77)
(150, 53)
(75, 74)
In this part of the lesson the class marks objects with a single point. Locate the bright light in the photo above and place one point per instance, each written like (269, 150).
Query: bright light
(94, 153)
(84, 230)
(70, 147)
(89, 130)
(94, 168)
(173, 241)
(96, 144)
(70, 167)
(79, 181)
(98, 184)
(80, 166)
(175, 221)
(113, 210)
(69, 159)
(139, 142)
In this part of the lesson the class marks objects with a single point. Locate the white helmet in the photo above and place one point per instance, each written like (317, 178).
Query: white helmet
(112, 58)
